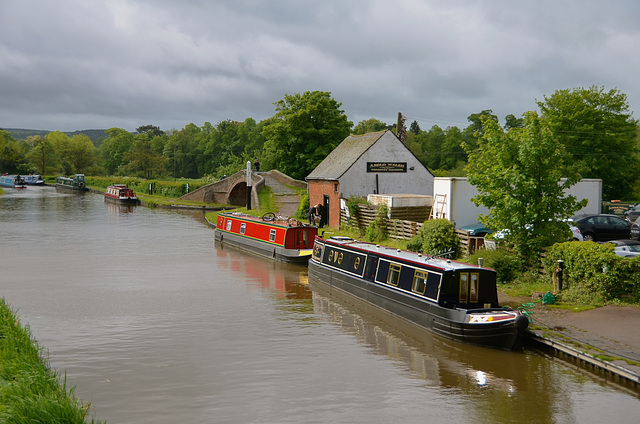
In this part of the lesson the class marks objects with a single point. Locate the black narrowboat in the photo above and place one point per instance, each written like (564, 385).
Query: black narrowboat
(452, 299)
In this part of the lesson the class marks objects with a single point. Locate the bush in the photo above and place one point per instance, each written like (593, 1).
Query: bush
(377, 230)
(436, 236)
(593, 273)
(507, 265)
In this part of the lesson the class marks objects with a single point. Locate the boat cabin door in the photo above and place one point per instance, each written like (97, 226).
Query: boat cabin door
(469, 285)
(301, 239)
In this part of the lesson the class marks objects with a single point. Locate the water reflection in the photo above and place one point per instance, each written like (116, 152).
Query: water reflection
(114, 210)
(498, 385)
(154, 323)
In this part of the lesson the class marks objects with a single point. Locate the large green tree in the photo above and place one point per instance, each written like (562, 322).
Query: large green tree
(42, 154)
(12, 155)
(143, 159)
(598, 131)
(519, 180)
(304, 130)
(113, 150)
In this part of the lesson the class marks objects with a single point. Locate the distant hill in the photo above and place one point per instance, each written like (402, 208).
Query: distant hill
(22, 134)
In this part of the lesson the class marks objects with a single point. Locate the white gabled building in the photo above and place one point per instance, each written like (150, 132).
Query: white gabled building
(373, 163)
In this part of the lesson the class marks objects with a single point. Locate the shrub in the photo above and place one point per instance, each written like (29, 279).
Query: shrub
(435, 236)
(507, 265)
(377, 230)
(593, 273)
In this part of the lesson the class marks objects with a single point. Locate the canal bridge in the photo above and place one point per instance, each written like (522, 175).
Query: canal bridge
(233, 190)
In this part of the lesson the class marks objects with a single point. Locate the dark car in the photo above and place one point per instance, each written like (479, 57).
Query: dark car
(633, 213)
(603, 227)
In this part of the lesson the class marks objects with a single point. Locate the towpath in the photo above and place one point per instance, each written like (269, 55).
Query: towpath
(606, 337)
(287, 198)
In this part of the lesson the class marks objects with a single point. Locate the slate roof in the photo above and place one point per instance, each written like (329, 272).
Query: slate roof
(344, 156)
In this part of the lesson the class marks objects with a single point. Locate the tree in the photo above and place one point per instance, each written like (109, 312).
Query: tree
(519, 180)
(597, 130)
(304, 130)
(81, 154)
(143, 158)
(181, 150)
(415, 128)
(369, 125)
(114, 148)
(152, 130)
(12, 155)
(512, 122)
(42, 154)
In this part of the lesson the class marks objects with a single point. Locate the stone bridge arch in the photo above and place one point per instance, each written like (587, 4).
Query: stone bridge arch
(230, 191)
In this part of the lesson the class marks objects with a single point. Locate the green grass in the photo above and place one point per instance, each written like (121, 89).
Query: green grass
(30, 392)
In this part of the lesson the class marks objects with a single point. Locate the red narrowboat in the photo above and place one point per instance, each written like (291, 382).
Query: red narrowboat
(119, 193)
(286, 240)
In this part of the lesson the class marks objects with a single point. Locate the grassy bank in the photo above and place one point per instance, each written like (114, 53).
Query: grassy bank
(30, 391)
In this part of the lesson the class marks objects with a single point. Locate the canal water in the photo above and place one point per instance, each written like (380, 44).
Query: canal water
(154, 323)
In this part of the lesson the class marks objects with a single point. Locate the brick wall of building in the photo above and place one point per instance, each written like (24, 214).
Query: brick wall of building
(318, 189)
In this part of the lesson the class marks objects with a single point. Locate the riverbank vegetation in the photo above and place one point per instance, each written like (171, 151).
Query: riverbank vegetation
(594, 126)
(30, 391)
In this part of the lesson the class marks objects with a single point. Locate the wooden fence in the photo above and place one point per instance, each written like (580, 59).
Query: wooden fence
(402, 229)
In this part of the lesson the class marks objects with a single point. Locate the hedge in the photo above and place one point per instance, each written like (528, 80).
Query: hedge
(593, 273)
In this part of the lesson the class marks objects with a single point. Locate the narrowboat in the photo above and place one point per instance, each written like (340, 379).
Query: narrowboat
(13, 181)
(286, 240)
(119, 193)
(72, 183)
(452, 299)
(33, 179)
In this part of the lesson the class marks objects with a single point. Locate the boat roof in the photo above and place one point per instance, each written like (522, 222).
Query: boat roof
(403, 255)
(278, 221)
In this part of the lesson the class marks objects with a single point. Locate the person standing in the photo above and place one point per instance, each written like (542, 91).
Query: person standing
(256, 166)
(312, 215)
(320, 213)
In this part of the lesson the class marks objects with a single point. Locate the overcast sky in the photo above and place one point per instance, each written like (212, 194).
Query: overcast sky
(80, 64)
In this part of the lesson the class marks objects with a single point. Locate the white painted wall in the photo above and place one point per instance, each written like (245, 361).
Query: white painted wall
(459, 208)
(358, 182)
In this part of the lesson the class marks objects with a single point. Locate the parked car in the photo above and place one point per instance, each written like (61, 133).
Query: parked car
(476, 230)
(602, 227)
(626, 248)
(632, 214)
(635, 229)
(576, 235)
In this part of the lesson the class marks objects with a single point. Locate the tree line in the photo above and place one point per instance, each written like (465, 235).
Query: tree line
(594, 127)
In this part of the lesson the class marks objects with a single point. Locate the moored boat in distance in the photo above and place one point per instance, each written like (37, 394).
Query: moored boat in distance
(119, 193)
(72, 183)
(33, 179)
(452, 299)
(12, 181)
(286, 240)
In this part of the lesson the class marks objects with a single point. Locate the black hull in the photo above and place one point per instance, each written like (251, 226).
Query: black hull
(264, 249)
(445, 322)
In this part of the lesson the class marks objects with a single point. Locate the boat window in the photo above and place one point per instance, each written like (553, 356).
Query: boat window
(433, 285)
(243, 227)
(419, 282)
(394, 275)
(229, 225)
(464, 287)
(473, 288)
(272, 235)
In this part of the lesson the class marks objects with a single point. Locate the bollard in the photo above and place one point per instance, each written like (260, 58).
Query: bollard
(559, 274)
